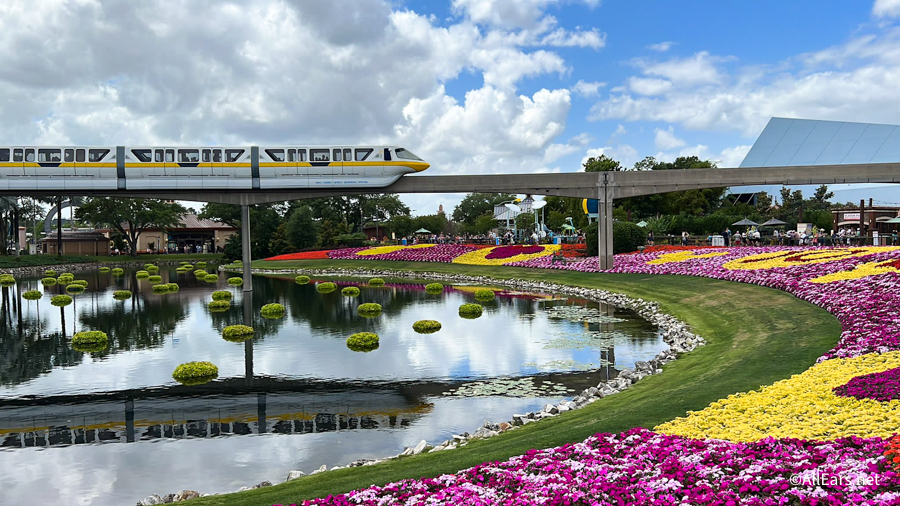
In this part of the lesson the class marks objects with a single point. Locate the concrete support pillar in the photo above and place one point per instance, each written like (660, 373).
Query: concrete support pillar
(245, 247)
(605, 224)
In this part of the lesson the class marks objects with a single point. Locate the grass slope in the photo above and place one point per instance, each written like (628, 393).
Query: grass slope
(755, 336)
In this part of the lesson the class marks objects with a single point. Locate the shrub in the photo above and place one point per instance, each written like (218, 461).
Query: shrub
(181, 270)
(82, 282)
(118, 271)
(350, 291)
(149, 266)
(121, 294)
(74, 289)
(48, 281)
(32, 295)
(201, 265)
(221, 295)
(363, 341)
(163, 288)
(173, 287)
(65, 279)
(470, 311)
(376, 282)
(183, 263)
(195, 373)
(211, 278)
(627, 237)
(50, 272)
(484, 295)
(200, 273)
(7, 280)
(188, 267)
(272, 311)
(369, 309)
(60, 300)
(434, 288)
(301, 280)
(104, 270)
(142, 275)
(90, 348)
(427, 326)
(152, 269)
(235, 281)
(237, 333)
(155, 279)
(218, 306)
(326, 287)
(90, 337)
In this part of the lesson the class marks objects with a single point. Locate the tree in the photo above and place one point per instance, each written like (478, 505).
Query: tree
(401, 226)
(820, 201)
(434, 223)
(130, 217)
(602, 163)
(355, 210)
(301, 230)
(478, 204)
(264, 222)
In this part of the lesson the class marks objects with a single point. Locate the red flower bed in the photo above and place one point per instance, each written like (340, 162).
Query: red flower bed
(305, 255)
(574, 250)
(511, 251)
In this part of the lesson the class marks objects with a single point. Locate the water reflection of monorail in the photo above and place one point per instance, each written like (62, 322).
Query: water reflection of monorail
(202, 417)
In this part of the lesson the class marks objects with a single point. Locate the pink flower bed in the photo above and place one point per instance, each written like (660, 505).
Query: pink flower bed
(881, 386)
(442, 253)
(511, 251)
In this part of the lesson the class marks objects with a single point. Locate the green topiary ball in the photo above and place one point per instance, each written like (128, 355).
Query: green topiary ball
(74, 289)
(152, 269)
(117, 271)
(211, 278)
(181, 270)
(195, 373)
(149, 266)
(90, 337)
(235, 281)
(7, 280)
(173, 287)
(121, 294)
(221, 295)
(237, 333)
(217, 306)
(484, 295)
(155, 279)
(188, 267)
(350, 291)
(65, 279)
(326, 287)
(142, 274)
(201, 265)
(363, 341)
(427, 326)
(104, 270)
(376, 282)
(48, 281)
(272, 311)
(470, 311)
(200, 273)
(60, 300)
(32, 295)
(301, 280)
(434, 288)
(369, 309)
(50, 272)
(163, 288)
(82, 282)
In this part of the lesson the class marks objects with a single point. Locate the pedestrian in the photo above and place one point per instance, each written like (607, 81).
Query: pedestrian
(650, 238)
(684, 238)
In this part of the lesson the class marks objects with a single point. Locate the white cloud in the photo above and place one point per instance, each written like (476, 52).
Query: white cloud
(665, 139)
(662, 47)
(563, 38)
(886, 8)
(649, 85)
(626, 155)
(698, 69)
(728, 158)
(556, 151)
(588, 89)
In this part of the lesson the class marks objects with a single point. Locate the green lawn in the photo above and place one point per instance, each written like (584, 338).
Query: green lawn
(755, 336)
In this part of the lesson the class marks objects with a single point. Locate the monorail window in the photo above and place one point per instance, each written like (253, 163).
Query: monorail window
(50, 155)
(363, 153)
(4, 155)
(29, 155)
(205, 155)
(170, 156)
(232, 155)
(406, 155)
(17, 155)
(69, 155)
(277, 155)
(337, 155)
(189, 156)
(387, 154)
(217, 156)
(301, 155)
(79, 155)
(95, 155)
(158, 156)
(144, 155)
(319, 155)
(292, 155)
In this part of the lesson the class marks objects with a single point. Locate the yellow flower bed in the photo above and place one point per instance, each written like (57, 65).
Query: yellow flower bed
(802, 406)
(683, 256)
(791, 258)
(478, 257)
(381, 250)
(861, 271)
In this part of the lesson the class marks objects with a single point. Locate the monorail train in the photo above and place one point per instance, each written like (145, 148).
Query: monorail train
(203, 168)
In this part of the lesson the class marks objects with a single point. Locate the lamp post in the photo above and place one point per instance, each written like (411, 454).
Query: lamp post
(511, 208)
(537, 224)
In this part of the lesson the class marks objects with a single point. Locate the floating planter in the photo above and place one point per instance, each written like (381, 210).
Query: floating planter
(369, 310)
(7, 280)
(104, 270)
(363, 341)
(376, 282)
(155, 279)
(65, 279)
(427, 326)
(200, 273)
(350, 291)
(326, 287)
(90, 337)
(211, 278)
(142, 275)
(434, 288)
(484, 295)
(470, 311)
(160, 289)
(121, 294)
(48, 281)
(237, 333)
(149, 266)
(272, 311)
(188, 267)
(173, 287)
(50, 272)
(218, 306)
(195, 373)
(221, 295)
(60, 300)
(181, 270)
(301, 280)
(118, 271)
(74, 289)
(82, 282)
(201, 265)
(32, 295)
(235, 281)
(153, 270)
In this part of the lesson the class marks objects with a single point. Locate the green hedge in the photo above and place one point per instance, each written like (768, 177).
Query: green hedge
(363, 341)
(484, 295)
(272, 311)
(427, 326)
(32, 295)
(195, 373)
(626, 237)
(121, 294)
(326, 287)
(7, 261)
(60, 300)
(301, 280)
(369, 309)
(237, 333)
(434, 288)
(221, 295)
(350, 291)
(470, 310)
(376, 282)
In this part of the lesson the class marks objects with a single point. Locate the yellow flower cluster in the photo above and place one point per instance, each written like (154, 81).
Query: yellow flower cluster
(790, 258)
(683, 256)
(861, 271)
(802, 406)
(477, 257)
(381, 250)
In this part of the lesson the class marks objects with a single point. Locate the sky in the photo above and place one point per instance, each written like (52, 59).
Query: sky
(471, 86)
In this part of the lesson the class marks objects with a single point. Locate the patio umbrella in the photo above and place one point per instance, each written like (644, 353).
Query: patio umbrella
(893, 220)
(774, 222)
(423, 231)
(745, 223)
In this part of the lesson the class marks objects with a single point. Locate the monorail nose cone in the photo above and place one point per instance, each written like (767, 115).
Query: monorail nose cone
(422, 166)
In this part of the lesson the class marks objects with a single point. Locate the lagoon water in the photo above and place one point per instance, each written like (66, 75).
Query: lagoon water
(110, 428)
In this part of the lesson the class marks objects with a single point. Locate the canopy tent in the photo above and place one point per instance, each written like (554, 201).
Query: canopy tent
(774, 222)
(893, 220)
(423, 231)
(641, 223)
(566, 226)
(745, 223)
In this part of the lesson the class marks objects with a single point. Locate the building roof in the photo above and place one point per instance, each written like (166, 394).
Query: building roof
(193, 221)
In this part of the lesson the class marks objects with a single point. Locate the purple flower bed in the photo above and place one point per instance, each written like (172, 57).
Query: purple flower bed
(881, 386)
(442, 253)
(642, 467)
(511, 251)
